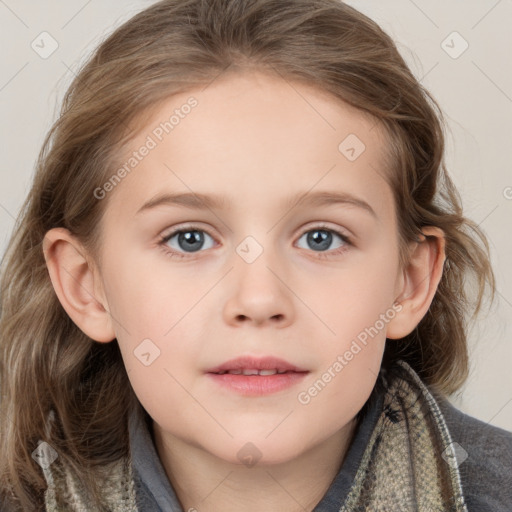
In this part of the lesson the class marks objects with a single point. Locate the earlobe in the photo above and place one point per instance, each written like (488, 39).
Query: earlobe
(419, 282)
(75, 284)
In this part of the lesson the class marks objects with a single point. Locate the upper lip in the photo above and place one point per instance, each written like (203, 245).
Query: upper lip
(258, 363)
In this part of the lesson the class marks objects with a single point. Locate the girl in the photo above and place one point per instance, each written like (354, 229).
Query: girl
(300, 357)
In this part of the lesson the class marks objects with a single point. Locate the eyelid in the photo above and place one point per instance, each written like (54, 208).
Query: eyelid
(184, 227)
(327, 226)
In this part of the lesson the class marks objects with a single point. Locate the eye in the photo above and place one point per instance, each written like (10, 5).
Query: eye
(320, 239)
(189, 240)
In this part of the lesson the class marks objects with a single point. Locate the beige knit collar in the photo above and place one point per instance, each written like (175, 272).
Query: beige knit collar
(410, 463)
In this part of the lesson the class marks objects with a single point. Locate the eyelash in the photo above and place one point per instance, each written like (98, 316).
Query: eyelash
(322, 254)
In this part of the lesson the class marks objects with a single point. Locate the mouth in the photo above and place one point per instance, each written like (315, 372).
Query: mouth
(251, 365)
(252, 376)
(255, 371)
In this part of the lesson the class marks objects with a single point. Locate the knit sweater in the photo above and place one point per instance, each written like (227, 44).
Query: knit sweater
(412, 451)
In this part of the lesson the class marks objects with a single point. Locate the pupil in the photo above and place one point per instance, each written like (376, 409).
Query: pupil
(322, 237)
(191, 237)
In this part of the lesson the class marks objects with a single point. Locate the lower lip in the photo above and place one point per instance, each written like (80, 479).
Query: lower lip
(257, 385)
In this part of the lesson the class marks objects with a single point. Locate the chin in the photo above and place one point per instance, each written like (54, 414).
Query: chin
(256, 451)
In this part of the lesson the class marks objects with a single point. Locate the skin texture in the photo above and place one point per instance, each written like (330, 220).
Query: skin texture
(258, 141)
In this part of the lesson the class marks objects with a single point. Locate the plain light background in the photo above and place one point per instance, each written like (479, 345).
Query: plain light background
(473, 87)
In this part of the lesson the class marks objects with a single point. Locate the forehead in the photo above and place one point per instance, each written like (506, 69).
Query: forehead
(254, 138)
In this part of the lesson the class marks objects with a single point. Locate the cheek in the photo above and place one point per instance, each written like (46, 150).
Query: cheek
(152, 320)
(145, 297)
(351, 358)
(354, 297)
(339, 392)
(358, 308)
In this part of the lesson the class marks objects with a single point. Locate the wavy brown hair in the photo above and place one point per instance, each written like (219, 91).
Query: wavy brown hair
(48, 364)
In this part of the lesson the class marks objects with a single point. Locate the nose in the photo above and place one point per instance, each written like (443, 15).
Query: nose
(259, 294)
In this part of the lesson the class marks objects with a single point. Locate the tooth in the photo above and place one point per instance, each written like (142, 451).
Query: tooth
(268, 372)
(235, 372)
(281, 371)
(250, 372)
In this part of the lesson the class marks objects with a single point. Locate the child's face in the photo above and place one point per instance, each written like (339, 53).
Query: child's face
(255, 284)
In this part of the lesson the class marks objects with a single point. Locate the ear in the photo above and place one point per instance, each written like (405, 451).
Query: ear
(77, 284)
(419, 282)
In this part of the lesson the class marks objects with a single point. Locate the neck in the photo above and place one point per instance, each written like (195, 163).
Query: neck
(202, 481)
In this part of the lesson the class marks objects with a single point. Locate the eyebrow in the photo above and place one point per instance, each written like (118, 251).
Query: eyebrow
(199, 201)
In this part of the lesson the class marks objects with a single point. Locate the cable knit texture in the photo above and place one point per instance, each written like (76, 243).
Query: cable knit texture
(65, 493)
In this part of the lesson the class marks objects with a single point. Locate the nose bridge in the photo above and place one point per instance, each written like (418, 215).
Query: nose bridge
(258, 293)
(256, 264)
(256, 243)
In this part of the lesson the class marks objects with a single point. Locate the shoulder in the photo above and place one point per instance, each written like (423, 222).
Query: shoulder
(484, 460)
